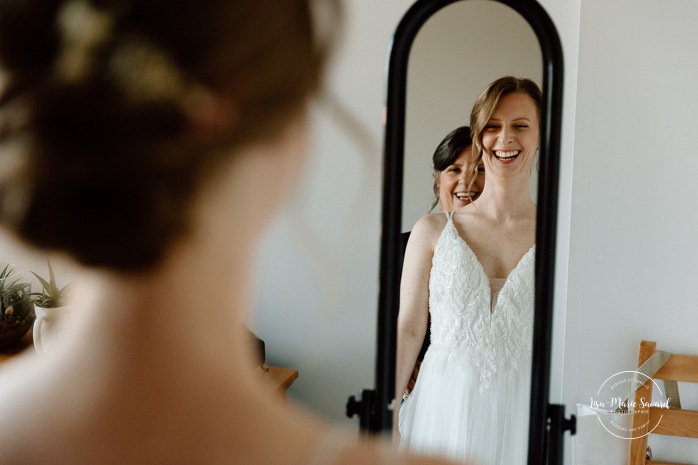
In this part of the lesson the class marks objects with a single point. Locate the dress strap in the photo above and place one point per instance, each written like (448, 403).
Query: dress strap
(449, 215)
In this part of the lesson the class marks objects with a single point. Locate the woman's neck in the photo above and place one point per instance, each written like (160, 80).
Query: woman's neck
(193, 302)
(192, 305)
(506, 200)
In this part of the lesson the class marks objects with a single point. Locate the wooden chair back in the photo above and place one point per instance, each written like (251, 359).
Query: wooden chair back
(658, 420)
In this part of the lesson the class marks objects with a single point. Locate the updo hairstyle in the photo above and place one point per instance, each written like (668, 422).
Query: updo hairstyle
(114, 112)
(446, 153)
(484, 107)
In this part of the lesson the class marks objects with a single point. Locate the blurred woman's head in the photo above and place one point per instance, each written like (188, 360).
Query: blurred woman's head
(113, 113)
(451, 160)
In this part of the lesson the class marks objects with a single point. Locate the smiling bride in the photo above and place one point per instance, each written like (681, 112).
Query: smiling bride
(473, 271)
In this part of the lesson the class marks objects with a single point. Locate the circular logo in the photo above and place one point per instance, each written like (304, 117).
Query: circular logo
(617, 398)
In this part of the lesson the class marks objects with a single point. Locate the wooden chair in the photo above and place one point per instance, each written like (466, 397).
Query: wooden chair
(657, 420)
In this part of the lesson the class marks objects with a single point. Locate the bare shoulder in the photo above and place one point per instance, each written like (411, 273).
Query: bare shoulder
(382, 454)
(428, 228)
(425, 460)
(415, 460)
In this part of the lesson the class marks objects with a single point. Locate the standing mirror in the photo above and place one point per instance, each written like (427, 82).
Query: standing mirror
(444, 53)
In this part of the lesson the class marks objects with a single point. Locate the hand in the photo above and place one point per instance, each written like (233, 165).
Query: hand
(413, 379)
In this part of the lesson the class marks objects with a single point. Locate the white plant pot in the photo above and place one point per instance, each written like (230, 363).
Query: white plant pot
(51, 327)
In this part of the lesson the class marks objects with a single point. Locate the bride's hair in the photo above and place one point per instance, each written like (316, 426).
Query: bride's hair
(112, 112)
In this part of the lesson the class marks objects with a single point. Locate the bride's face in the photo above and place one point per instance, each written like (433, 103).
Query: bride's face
(510, 137)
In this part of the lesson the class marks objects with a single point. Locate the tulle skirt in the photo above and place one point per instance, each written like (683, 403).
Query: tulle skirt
(449, 415)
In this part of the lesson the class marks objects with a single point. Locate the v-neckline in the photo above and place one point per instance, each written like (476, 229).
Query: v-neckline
(482, 269)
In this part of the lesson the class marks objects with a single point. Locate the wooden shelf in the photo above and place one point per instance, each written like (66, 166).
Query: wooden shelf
(278, 378)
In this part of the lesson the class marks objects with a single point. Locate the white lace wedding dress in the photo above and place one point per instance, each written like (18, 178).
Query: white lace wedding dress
(471, 400)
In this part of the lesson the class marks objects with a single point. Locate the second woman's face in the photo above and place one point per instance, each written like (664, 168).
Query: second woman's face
(453, 188)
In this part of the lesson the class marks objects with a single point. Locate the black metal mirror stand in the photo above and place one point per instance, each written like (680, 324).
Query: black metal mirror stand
(547, 421)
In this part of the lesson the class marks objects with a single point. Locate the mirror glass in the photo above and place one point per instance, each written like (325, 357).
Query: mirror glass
(459, 50)
(456, 54)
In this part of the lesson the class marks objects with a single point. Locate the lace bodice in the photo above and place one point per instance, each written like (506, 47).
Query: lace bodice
(462, 325)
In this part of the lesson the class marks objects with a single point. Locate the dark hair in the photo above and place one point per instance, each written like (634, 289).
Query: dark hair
(446, 153)
(484, 107)
(103, 132)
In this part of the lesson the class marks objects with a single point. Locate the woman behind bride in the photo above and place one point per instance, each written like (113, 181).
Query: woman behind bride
(472, 270)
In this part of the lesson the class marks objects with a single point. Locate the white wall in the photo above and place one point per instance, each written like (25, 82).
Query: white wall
(633, 253)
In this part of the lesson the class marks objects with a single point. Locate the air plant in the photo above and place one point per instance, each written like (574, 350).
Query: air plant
(51, 296)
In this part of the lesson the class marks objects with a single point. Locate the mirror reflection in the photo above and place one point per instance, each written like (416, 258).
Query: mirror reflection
(454, 56)
(466, 305)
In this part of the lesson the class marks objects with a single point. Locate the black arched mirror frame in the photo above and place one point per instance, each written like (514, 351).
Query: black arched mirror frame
(547, 422)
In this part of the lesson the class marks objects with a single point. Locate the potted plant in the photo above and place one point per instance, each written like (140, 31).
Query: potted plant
(16, 306)
(51, 296)
(52, 312)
